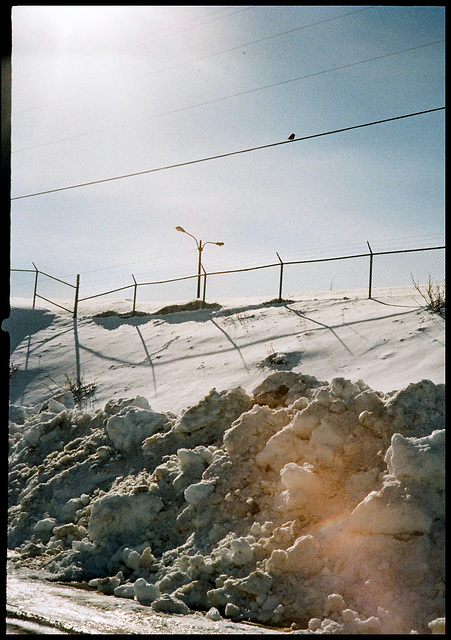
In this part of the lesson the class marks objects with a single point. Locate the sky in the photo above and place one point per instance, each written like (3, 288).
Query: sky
(100, 92)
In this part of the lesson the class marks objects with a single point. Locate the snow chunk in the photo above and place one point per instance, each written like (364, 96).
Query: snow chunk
(283, 388)
(84, 545)
(130, 426)
(146, 593)
(256, 583)
(131, 558)
(391, 511)
(46, 524)
(213, 614)
(115, 405)
(282, 447)
(122, 516)
(170, 604)
(303, 557)
(437, 625)
(107, 585)
(198, 492)
(334, 603)
(216, 410)
(418, 459)
(252, 427)
(192, 462)
(231, 610)
(417, 406)
(125, 591)
(242, 552)
(65, 398)
(301, 478)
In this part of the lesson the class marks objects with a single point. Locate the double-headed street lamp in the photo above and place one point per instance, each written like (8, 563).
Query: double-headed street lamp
(200, 245)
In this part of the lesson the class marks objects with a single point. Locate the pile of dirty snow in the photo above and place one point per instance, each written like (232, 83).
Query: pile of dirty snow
(307, 504)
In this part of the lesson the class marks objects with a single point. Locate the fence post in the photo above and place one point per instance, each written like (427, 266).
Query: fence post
(205, 287)
(77, 289)
(281, 277)
(134, 294)
(35, 284)
(370, 283)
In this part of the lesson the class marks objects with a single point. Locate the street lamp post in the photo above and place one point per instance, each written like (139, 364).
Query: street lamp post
(200, 247)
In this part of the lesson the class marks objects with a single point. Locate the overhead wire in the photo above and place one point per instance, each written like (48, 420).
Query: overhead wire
(204, 23)
(161, 37)
(252, 42)
(310, 75)
(217, 53)
(228, 154)
(234, 95)
(317, 252)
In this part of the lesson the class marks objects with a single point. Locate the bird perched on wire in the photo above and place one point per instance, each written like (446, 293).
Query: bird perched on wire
(292, 137)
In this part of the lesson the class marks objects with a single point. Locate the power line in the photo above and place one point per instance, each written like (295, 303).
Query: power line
(211, 55)
(310, 75)
(160, 37)
(248, 44)
(204, 23)
(230, 153)
(234, 95)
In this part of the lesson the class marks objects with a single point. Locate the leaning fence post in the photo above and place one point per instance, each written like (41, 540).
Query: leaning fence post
(134, 294)
(35, 284)
(281, 277)
(77, 289)
(370, 283)
(205, 287)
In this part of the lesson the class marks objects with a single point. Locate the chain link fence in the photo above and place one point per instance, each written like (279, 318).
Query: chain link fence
(404, 270)
(254, 282)
(327, 277)
(364, 275)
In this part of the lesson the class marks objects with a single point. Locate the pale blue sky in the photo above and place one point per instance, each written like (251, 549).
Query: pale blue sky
(99, 92)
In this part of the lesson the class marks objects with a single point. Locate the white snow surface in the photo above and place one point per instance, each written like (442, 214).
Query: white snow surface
(275, 463)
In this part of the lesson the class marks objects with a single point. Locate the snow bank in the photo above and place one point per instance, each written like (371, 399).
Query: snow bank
(312, 504)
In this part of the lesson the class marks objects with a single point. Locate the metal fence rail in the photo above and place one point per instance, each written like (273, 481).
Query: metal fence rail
(367, 275)
(36, 295)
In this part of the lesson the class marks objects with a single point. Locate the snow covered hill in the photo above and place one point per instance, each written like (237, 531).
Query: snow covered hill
(174, 359)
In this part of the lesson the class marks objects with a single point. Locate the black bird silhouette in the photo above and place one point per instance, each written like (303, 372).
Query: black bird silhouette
(292, 137)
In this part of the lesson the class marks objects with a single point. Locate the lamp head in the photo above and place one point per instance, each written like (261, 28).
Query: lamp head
(180, 229)
(220, 244)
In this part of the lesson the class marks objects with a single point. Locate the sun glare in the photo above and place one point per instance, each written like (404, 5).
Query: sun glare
(72, 19)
